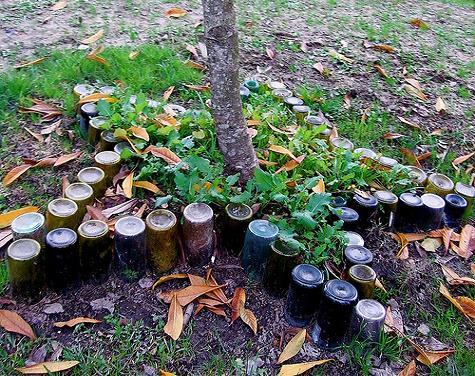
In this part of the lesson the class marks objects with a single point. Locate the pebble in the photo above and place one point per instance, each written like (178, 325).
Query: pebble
(423, 329)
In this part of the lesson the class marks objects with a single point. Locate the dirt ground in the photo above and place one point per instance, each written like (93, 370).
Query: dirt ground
(435, 57)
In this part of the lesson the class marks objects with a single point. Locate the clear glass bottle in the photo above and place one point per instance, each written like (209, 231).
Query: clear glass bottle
(31, 226)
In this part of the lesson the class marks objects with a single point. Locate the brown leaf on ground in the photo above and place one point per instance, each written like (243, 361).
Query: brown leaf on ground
(7, 218)
(197, 87)
(393, 321)
(127, 185)
(418, 23)
(46, 111)
(96, 97)
(466, 243)
(424, 156)
(299, 368)
(467, 304)
(281, 150)
(462, 158)
(409, 370)
(48, 367)
(175, 13)
(93, 38)
(431, 244)
(237, 303)
(168, 92)
(30, 63)
(293, 347)
(410, 157)
(319, 187)
(13, 322)
(440, 105)
(60, 5)
(66, 158)
(165, 373)
(118, 209)
(379, 47)
(133, 55)
(15, 173)
(415, 92)
(190, 293)
(249, 319)
(392, 136)
(431, 357)
(140, 132)
(148, 186)
(95, 213)
(407, 122)
(270, 53)
(443, 290)
(78, 320)
(192, 49)
(340, 57)
(174, 325)
(162, 152)
(380, 70)
(290, 165)
(454, 279)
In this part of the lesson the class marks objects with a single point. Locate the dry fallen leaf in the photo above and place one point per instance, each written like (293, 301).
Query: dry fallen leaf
(380, 70)
(174, 325)
(168, 278)
(133, 55)
(48, 367)
(162, 152)
(290, 165)
(7, 218)
(60, 5)
(270, 53)
(93, 38)
(148, 186)
(407, 122)
(380, 47)
(168, 92)
(140, 132)
(466, 244)
(417, 22)
(431, 357)
(13, 322)
(440, 105)
(15, 173)
(462, 158)
(319, 187)
(409, 370)
(281, 150)
(96, 97)
(175, 13)
(94, 57)
(293, 347)
(190, 293)
(454, 279)
(78, 320)
(249, 319)
(467, 304)
(47, 111)
(30, 63)
(443, 290)
(127, 185)
(66, 158)
(237, 303)
(392, 136)
(299, 368)
(165, 373)
(410, 157)
(393, 321)
(197, 87)
(431, 244)
(415, 92)
(340, 57)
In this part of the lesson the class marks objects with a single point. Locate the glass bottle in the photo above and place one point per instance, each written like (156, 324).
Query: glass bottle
(303, 299)
(82, 194)
(357, 254)
(119, 147)
(364, 153)
(238, 217)
(468, 193)
(82, 90)
(334, 315)
(244, 92)
(455, 206)
(62, 212)
(198, 233)
(353, 238)
(293, 101)
(439, 184)
(301, 112)
(87, 111)
(96, 178)
(162, 249)
(62, 259)
(408, 212)
(278, 268)
(433, 212)
(417, 175)
(252, 85)
(387, 163)
(281, 94)
(368, 320)
(108, 140)
(349, 217)
(387, 205)
(31, 226)
(259, 235)
(273, 85)
(366, 207)
(25, 268)
(95, 251)
(95, 129)
(109, 161)
(130, 250)
(341, 143)
(363, 277)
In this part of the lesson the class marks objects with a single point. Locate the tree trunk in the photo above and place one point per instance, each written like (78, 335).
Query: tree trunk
(223, 57)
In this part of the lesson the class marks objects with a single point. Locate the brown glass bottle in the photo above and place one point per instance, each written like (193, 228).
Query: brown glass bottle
(62, 259)
(130, 250)
(162, 248)
(363, 277)
(25, 268)
(95, 250)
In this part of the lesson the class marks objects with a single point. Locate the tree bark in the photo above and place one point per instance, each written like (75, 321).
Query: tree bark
(223, 57)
